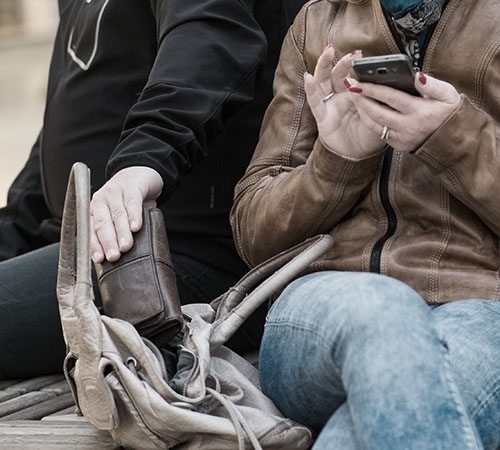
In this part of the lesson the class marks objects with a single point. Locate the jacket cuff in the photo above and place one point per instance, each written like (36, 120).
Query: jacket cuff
(457, 142)
(332, 166)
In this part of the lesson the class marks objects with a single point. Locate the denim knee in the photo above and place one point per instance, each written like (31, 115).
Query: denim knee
(347, 300)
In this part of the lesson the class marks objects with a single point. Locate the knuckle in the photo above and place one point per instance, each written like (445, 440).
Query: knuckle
(99, 224)
(392, 97)
(118, 215)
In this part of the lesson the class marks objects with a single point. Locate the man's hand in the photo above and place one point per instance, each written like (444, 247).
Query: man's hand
(116, 210)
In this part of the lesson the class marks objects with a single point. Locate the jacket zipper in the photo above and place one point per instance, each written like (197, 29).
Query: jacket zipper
(376, 254)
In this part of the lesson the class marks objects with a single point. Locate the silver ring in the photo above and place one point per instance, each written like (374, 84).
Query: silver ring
(386, 132)
(328, 96)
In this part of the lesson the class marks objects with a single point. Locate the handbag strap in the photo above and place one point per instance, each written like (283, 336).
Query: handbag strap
(79, 316)
(75, 220)
(261, 283)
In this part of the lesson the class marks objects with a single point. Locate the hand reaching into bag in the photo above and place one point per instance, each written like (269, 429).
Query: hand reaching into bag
(116, 210)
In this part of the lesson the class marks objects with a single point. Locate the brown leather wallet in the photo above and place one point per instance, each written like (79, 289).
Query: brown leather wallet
(141, 286)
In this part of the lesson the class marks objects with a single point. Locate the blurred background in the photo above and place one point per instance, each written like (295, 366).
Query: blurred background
(27, 29)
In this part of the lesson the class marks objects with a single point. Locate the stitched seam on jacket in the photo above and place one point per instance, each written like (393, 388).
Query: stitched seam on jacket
(452, 178)
(301, 96)
(440, 247)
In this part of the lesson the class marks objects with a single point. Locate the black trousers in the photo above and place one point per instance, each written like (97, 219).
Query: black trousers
(31, 337)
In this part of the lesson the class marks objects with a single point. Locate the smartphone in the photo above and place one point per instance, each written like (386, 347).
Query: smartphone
(391, 70)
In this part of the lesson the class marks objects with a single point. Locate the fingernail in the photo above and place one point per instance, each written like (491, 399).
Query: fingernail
(112, 255)
(355, 52)
(422, 78)
(328, 46)
(351, 88)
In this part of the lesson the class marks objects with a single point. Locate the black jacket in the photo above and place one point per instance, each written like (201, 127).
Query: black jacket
(177, 85)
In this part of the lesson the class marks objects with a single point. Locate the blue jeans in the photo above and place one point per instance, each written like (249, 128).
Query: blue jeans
(367, 364)
(31, 340)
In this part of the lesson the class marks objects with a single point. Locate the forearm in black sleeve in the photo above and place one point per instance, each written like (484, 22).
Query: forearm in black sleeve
(209, 55)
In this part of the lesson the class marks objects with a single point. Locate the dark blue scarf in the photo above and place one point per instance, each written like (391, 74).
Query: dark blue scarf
(413, 19)
(414, 16)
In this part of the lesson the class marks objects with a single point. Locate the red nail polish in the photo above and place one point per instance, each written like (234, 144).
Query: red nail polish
(422, 78)
(355, 89)
(347, 83)
(355, 52)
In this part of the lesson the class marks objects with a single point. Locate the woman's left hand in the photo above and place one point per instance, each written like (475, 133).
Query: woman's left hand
(402, 120)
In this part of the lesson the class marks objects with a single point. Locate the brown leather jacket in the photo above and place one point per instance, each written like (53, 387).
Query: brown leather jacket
(430, 218)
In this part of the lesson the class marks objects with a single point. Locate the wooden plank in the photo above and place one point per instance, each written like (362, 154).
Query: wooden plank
(62, 412)
(71, 417)
(59, 387)
(33, 384)
(23, 401)
(74, 433)
(38, 445)
(34, 398)
(6, 383)
(8, 395)
(40, 414)
(50, 405)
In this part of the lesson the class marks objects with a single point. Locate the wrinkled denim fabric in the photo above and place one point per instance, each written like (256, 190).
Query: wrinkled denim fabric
(363, 360)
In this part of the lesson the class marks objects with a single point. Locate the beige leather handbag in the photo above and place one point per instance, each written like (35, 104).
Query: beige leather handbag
(192, 394)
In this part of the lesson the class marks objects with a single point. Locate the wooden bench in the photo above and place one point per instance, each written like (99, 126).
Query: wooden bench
(40, 414)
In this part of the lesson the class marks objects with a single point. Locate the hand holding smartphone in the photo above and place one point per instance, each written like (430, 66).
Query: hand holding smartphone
(390, 70)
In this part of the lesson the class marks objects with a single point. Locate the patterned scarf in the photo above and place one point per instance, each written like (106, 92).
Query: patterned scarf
(412, 19)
